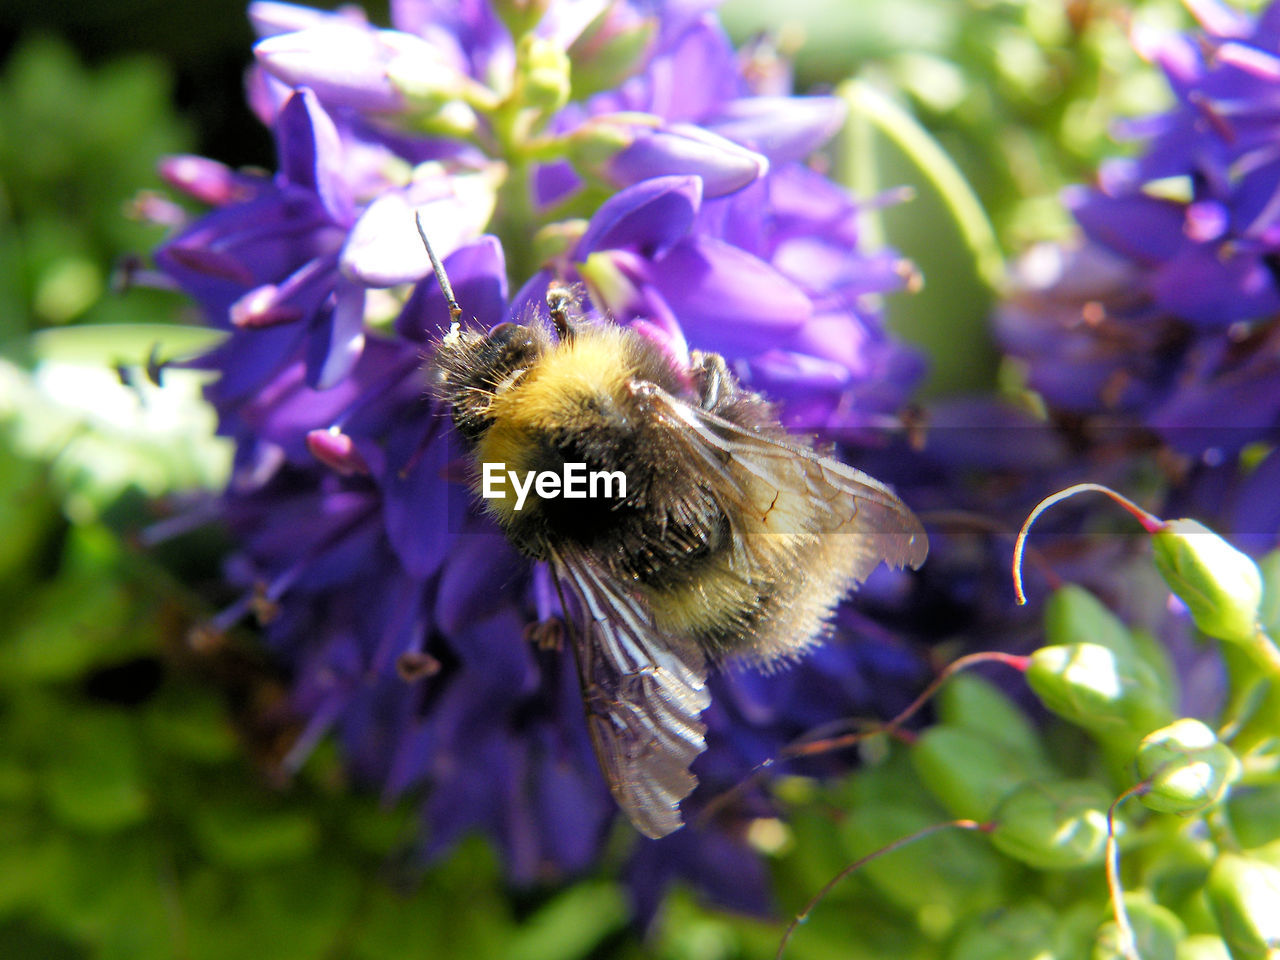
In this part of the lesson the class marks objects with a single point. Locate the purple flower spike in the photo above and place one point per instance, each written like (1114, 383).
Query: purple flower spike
(404, 616)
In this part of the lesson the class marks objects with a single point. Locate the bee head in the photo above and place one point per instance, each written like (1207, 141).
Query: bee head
(471, 368)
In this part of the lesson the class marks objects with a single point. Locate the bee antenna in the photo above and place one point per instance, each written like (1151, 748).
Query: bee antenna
(442, 278)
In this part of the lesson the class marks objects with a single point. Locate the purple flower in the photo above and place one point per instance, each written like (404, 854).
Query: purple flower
(405, 618)
(1163, 327)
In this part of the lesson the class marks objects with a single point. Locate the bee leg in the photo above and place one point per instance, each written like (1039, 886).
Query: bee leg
(546, 634)
(711, 374)
(558, 302)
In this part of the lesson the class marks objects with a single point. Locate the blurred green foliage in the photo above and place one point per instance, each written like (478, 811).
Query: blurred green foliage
(76, 145)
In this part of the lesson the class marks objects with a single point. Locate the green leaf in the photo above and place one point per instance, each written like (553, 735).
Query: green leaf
(974, 703)
(968, 772)
(94, 780)
(938, 879)
(239, 836)
(1018, 932)
(572, 925)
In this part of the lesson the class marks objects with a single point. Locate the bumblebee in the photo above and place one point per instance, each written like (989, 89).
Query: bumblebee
(731, 538)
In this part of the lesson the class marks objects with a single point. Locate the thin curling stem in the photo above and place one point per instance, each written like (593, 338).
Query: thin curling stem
(1150, 522)
(1127, 944)
(442, 278)
(818, 897)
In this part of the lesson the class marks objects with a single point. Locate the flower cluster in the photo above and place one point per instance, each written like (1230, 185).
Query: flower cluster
(626, 147)
(1163, 328)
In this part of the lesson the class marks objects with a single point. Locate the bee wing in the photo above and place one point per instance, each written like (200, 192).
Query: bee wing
(643, 694)
(753, 470)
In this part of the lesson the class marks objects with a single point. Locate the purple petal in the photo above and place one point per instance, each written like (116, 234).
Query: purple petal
(472, 27)
(553, 182)
(1140, 227)
(692, 79)
(784, 129)
(311, 153)
(478, 275)
(385, 249)
(531, 298)
(334, 349)
(723, 166)
(337, 451)
(422, 511)
(207, 180)
(650, 217)
(1259, 63)
(344, 63)
(477, 563)
(1212, 289)
(728, 300)
(269, 18)
(564, 21)
(1218, 19)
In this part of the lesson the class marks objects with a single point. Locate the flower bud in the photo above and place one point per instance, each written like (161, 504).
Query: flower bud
(344, 63)
(1053, 826)
(1187, 767)
(1244, 895)
(683, 148)
(968, 771)
(1112, 696)
(543, 81)
(1221, 586)
(609, 50)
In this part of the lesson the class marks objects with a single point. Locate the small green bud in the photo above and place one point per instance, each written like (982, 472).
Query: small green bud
(609, 50)
(1221, 586)
(1095, 688)
(1244, 894)
(1189, 770)
(1156, 931)
(1054, 826)
(967, 771)
(544, 74)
